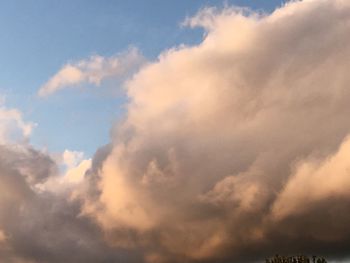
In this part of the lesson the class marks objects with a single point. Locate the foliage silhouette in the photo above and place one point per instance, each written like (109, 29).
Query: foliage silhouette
(295, 259)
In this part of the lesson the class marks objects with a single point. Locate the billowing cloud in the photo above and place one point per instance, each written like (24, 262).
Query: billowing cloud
(230, 151)
(93, 71)
(39, 220)
(43, 226)
(73, 170)
(315, 181)
(236, 148)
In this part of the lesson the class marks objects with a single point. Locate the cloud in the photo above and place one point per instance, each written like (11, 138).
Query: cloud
(234, 149)
(230, 150)
(93, 71)
(314, 182)
(60, 234)
(73, 170)
(2, 236)
(39, 220)
(52, 217)
(12, 126)
(72, 158)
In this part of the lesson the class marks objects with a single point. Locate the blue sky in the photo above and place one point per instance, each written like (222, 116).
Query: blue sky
(38, 37)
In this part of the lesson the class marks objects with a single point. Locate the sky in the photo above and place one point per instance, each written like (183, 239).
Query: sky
(174, 132)
(39, 37)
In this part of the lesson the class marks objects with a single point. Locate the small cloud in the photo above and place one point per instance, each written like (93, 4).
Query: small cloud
(93, 70)
(12, 126)
(72, 158)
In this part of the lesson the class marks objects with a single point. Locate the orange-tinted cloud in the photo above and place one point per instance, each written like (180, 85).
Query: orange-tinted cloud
(207, 157)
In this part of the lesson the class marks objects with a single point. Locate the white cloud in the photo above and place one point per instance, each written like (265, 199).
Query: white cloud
(12, 126)
(73, 170)
(72, 158)
(92, 71)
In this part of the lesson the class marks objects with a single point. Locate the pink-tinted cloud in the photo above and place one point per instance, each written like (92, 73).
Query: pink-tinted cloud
(92, 71)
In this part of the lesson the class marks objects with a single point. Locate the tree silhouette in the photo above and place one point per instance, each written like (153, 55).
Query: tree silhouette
(295, 259)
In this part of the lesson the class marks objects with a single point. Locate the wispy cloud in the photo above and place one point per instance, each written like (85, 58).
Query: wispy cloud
(93, 71)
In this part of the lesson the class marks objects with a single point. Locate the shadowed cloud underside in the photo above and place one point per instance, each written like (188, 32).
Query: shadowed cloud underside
(229, 151)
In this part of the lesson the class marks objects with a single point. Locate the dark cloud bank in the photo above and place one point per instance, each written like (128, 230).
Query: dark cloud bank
(230, 151)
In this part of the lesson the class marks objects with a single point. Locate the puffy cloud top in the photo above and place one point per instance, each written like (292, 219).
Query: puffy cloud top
(236, 148)
(230, 150)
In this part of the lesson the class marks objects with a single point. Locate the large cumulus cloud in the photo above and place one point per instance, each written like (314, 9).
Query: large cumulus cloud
(230, 150)
(237, 147)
